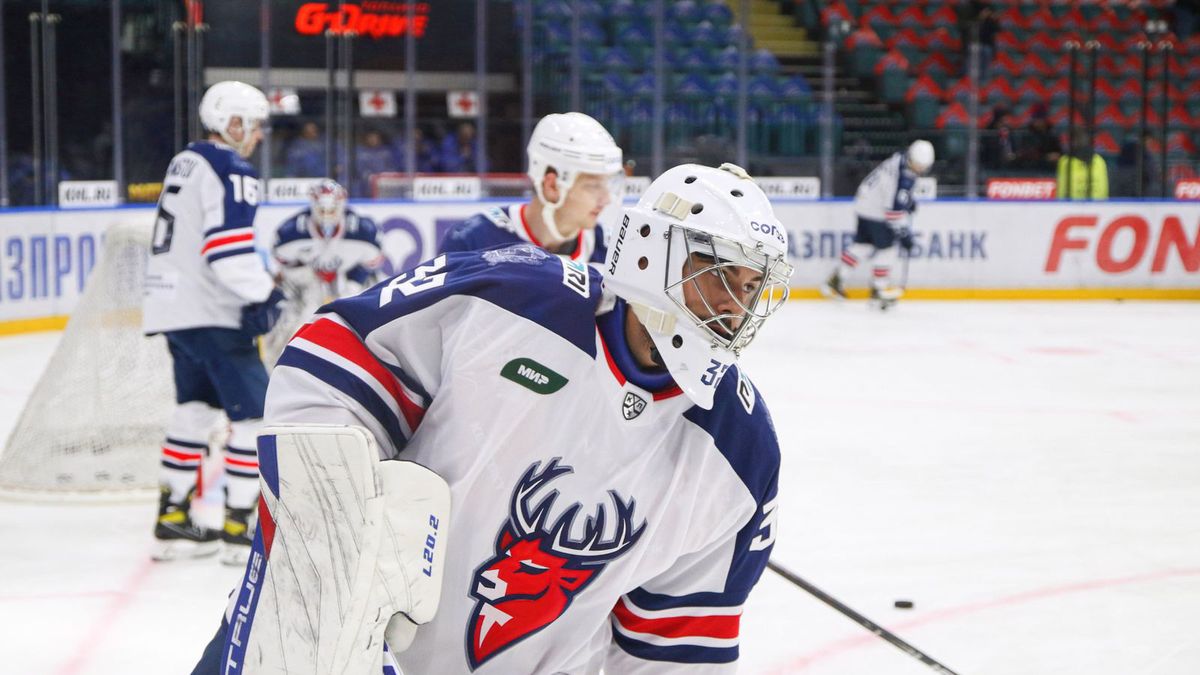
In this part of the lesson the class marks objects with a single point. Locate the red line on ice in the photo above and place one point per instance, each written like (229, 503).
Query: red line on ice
(843, 645)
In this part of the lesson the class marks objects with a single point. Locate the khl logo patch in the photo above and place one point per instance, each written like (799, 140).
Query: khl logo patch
(538, 568)
(633, 405)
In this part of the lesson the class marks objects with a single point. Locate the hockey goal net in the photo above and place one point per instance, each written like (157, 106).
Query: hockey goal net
(96, 417)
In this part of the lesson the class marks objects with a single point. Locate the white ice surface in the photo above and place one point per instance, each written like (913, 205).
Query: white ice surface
(1028, 474)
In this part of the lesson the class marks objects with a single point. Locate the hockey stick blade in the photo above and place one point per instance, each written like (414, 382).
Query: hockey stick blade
(861, 620)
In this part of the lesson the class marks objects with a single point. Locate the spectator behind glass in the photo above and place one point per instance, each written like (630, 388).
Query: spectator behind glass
(978, 15)
(1127, 161)
(371, 156)
(998, 149)
(1185, 18)
(1042, 147)
(426, 157)
(459, 149)
(1083, 174)
(305, 156)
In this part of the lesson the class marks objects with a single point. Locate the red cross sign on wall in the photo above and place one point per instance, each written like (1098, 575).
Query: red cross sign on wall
(377, 103)
(462, 103)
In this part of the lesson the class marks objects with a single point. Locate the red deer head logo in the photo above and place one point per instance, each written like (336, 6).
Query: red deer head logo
(538, 569)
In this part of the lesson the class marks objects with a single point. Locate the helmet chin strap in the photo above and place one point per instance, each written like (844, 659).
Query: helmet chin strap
(238, 147)
(657, 320)
(548, 211)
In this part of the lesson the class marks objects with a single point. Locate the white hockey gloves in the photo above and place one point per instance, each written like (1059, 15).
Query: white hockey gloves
(348, 544)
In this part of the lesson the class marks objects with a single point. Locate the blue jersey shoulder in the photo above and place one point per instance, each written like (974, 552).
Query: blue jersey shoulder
(559, 295)
(223, 159)
(239, 206)
(361, 228)
(292, 229)
(477, 233)
(742, 429)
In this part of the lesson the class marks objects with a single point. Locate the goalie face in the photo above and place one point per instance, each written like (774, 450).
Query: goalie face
(726, 288)
(327, 204)
(702, 261)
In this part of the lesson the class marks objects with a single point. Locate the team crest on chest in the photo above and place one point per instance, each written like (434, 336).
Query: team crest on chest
(538, 567)
(632, 406)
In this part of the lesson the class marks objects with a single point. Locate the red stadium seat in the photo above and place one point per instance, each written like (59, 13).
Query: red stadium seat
(941, 39)
(924, 86)
(1006, 63)
(864, 36)
(892, 60)
(836, 11)
(953, 115)
(1106, 144)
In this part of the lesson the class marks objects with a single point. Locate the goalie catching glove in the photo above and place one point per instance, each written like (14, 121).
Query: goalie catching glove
(349, 552)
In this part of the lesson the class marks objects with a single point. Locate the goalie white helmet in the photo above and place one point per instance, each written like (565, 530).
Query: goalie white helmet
(702, 261)
(570, 144)
(920, 156)
(327, 205)
(229, 99)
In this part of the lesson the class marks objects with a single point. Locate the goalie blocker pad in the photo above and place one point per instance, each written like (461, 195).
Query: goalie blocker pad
(345, 544)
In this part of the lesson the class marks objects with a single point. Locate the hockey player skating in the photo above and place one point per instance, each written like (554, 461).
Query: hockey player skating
(613, 474)
(209, 293)
(324, 252)
(577, 171)
(884, 206)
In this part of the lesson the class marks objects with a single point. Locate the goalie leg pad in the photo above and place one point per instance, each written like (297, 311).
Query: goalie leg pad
(345, 543)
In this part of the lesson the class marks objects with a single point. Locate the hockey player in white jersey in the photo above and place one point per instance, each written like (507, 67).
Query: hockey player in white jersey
(884, 206)
(324, 252)
(210, 294)
(612, 473)
(328, 245)
(577, 172)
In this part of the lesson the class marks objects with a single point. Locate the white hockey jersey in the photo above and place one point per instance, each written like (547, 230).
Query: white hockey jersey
(599, 519)
(203, 267)
(353, 253)
(885, 195)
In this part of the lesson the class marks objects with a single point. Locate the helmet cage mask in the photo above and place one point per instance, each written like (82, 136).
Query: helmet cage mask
(705, 235)
(327, 205)
(763, 294)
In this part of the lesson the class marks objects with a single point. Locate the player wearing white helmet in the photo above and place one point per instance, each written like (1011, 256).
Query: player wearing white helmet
(577, 172)
(329, 243)
(884, 206)
(612, 473)
(324, 252)
(210, 294)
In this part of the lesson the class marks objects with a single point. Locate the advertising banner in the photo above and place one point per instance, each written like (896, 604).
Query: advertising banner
(962, 249)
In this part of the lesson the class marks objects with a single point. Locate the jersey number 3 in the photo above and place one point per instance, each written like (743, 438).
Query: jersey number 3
(164, 224)
(766, 531)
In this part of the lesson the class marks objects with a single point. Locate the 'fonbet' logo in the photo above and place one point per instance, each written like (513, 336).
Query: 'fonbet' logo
(533, 376)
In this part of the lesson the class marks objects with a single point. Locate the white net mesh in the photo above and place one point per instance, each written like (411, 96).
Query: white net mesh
(97, 416)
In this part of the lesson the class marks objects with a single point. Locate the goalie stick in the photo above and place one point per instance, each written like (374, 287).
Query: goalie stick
(860, 619)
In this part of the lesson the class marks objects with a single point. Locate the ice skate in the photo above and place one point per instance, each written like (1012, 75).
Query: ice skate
(832, 287)
(237, 535)
(884, 298)
(176, 535)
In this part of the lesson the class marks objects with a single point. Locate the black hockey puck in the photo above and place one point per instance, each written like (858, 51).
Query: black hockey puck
(903, 604)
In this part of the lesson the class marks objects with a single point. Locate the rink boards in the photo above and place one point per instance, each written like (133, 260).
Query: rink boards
(964, 249)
